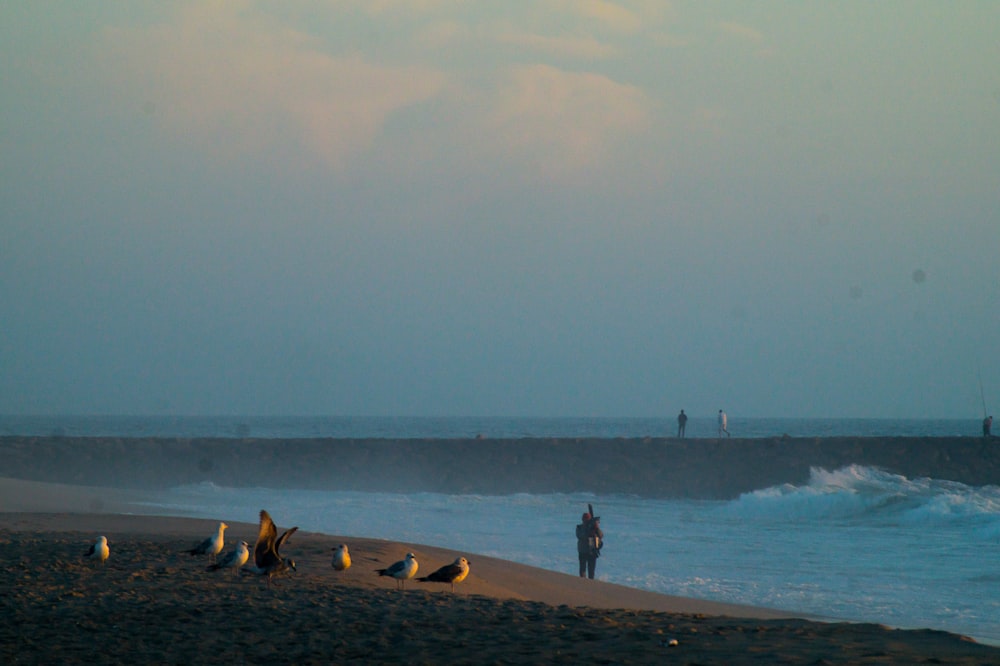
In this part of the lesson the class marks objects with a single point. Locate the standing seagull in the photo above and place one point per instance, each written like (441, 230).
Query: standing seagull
(341, 558)
(401, 571)
(211, 546)
(266, 560)
(449, 573)
(235, 559)
(99, 551)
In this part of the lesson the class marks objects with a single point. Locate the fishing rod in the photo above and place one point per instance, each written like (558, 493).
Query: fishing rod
(982, 394)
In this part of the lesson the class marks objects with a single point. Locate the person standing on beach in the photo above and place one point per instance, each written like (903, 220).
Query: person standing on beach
(589, 540)
(987, 425)
(682, 420)
(723, 424)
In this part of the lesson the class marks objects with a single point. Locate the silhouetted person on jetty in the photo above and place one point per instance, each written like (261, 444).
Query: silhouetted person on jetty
(682, 420)
(723, 424)
(987, 425)
(589, 541)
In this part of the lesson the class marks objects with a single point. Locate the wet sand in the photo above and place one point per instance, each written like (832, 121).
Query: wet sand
(152, 603)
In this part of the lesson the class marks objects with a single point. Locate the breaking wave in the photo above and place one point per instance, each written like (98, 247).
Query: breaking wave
(860, 493)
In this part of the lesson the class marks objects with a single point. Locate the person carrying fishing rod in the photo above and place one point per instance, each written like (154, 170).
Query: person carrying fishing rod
(589, 541)
(987, 420)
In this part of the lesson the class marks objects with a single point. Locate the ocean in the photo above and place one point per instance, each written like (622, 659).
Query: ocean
(405, 427)
(854, 544)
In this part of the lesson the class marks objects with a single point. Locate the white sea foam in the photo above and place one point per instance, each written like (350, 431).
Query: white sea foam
(872, 495)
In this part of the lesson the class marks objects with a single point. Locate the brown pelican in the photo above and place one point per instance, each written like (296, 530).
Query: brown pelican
(266, 559)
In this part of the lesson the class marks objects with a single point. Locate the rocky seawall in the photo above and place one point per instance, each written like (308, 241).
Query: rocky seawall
(649, 467)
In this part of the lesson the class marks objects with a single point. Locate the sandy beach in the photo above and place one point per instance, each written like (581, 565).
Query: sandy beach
(152, 603)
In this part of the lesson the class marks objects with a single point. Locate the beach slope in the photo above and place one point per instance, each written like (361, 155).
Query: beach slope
(153, 603)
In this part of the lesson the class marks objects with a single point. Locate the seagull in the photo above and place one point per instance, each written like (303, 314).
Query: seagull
(212, 545)
(99, 551)
(341, 558)
(449, 573)
(401, 571)
(266, 560)
(235, 559)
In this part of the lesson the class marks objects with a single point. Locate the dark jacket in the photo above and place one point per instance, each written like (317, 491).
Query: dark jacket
(584, 533)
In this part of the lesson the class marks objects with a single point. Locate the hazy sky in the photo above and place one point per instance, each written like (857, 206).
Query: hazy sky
(544, 207)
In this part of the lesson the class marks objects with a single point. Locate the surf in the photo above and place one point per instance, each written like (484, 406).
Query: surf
(855, 543)
(861, 493)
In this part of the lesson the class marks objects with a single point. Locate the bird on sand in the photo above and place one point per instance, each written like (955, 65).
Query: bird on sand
(266, 559)
(99, 551)
(341, 558)
(236, 558)
(449, 573)
(211, 546)
(401, 571)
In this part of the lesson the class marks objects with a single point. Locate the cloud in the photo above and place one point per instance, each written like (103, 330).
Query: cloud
(234, 84)
(378, 7)
(671, 41)
(742, 31)
(564, 122)
(609, 14)
(441, 35)
(570, 47)
(749, 36)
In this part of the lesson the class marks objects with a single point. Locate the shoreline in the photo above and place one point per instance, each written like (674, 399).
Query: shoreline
(151, 602)
(492, 577)
(55, 508)
(40, 511)
(166, 601)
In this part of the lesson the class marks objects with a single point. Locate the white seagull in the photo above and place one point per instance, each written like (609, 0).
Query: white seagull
(266, 559)
(341, 558)
(449, 573)
(235, 558)
(211, 546)
(99, 551)
(401, 571)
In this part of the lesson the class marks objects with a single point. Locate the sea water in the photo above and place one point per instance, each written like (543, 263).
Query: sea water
(855, 544)
(418, 427)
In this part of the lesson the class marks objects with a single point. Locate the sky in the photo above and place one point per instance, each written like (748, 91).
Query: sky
(520, 208)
